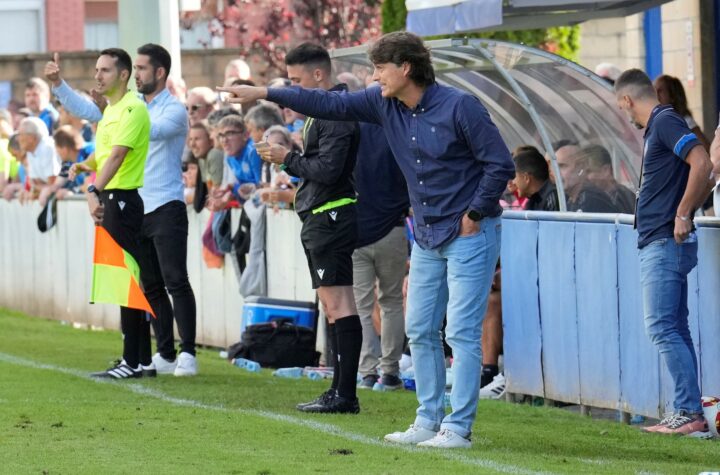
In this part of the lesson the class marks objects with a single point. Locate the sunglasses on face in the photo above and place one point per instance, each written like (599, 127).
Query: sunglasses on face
(194, 107)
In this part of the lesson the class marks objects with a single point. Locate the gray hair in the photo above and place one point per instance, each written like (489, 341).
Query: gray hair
(207, 94)
(216, 116)
(282, 130)
(33, 126)
(232, 121)
(264, 116)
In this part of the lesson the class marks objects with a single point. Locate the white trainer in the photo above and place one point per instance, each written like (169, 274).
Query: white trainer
(413, 436)
(495, 389)
(186, 365)
(447, 439)
(163, 366)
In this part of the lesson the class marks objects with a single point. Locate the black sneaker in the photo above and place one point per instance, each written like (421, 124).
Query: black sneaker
(322, 399)
(335, 405)
(149, 371)
(368, 381)
(391, 382)
(120, 371)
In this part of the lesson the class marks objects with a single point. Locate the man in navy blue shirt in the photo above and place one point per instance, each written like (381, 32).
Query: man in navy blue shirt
(380, 257)
(674, 183)
(456, 166)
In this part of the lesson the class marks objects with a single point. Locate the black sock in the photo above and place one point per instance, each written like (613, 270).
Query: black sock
(333, 357)
(489, 371)
(348, 331)
(131, 324)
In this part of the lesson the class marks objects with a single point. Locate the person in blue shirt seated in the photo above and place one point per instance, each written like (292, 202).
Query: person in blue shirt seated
(456, 166)
(241, 173)
(37, 99)
(71, 149)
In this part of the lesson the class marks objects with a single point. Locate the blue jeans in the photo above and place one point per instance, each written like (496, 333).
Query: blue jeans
(664, 266)
(454, 279)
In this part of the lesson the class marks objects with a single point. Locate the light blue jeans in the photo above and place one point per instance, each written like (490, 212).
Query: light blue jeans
(664, 266)
(454, 280)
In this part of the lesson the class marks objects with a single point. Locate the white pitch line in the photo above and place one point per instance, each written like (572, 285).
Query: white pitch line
(325, 428)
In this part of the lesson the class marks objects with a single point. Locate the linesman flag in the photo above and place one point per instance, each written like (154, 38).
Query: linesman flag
(116, 275)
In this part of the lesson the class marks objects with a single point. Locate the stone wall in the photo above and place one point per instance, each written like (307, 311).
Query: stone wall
(620, 41)
(200, 68)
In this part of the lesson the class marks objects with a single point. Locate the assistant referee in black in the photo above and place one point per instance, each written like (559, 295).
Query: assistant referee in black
(325, 203)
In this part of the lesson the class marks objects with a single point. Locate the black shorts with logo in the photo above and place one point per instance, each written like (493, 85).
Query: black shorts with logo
(328, 239)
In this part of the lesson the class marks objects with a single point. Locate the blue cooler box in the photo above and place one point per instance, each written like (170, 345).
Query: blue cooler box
(265, 310)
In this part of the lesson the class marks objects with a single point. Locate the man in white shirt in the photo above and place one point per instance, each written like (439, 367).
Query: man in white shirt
(43, 163)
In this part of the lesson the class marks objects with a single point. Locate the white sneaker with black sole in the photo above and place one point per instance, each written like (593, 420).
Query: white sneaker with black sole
(163, 366)
(447, 439)
(186, 365)
(120, 370)
(495, 389)
(413, 436)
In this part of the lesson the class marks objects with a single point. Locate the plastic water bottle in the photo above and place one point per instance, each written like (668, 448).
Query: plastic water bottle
(293, 373)
(447, 401)
(378, 387)
(408, 374)
(315, 375)
(247, 365)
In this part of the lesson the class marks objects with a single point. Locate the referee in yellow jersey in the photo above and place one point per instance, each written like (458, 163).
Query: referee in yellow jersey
(121, 146)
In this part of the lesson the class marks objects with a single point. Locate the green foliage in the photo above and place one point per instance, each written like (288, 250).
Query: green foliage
(393, 15)
(561, 40)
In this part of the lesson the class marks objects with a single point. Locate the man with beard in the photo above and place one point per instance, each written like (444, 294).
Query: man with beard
(163, 243)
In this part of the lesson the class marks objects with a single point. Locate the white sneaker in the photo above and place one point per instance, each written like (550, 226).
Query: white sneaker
(186, 365)
(447, 439)
(414, 435)
(495, 389)
(163, 366)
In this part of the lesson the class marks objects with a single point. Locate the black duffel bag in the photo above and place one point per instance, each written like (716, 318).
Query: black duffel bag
(278, 344)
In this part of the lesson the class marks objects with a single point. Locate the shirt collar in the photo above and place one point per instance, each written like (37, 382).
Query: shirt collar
(425, 100)
(656, 110)
(160, 97)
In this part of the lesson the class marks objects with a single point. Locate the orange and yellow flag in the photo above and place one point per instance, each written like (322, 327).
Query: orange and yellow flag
(116, 275)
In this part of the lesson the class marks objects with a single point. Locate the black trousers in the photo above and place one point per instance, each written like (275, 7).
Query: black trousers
(123, 221)
(163, 269)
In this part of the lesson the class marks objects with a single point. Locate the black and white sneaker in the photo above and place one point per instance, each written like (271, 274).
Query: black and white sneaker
(494, 390)
(120, 371)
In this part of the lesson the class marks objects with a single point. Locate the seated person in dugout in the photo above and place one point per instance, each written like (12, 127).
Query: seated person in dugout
(532, 181)
(600, 173)
(580, 193)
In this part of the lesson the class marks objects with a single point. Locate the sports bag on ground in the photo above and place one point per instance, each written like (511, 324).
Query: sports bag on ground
(278, 344)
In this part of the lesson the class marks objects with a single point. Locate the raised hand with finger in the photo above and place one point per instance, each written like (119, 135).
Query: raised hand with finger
(52, 70)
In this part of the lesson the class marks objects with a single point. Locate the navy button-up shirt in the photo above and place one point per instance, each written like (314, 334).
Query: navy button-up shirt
(449, 150)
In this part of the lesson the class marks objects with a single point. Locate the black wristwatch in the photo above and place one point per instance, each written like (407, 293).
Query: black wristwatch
(92, 189)
(474, 215)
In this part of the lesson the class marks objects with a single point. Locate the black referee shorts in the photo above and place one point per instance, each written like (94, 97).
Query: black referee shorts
(328, 239)
(123, 218)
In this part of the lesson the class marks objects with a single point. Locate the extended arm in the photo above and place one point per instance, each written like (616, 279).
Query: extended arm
(171, 123)
(76, 104)
(362, 106)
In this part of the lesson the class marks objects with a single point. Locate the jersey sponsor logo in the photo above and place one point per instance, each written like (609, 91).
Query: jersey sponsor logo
(321, 273)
